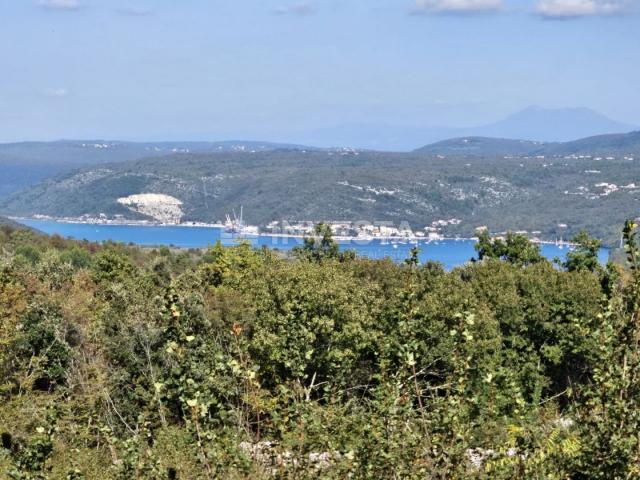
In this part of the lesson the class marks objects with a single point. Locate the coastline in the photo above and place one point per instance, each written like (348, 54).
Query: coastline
(339, 238)
(146, 223)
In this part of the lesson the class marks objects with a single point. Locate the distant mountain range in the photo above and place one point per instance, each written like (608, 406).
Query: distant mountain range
(553, 125)
(28, 163)
(588, 182)
(532, 123)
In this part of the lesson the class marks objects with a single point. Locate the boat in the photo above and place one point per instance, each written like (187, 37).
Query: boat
(236, 226)
(363, 237)
(560, 244)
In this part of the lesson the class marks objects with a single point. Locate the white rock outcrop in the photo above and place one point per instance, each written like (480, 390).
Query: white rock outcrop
(163, 208)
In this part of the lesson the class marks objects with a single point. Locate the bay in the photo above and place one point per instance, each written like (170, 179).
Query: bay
(450, 253)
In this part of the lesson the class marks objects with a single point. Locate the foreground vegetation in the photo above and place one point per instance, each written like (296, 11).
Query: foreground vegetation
(118, 362)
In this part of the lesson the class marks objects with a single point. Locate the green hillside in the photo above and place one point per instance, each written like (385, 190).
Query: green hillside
(482, 146)
(520, 194)
(8, 223)
(28, 163)
(624, 144)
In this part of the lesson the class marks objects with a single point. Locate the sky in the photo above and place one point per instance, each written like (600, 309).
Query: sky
(266, 69)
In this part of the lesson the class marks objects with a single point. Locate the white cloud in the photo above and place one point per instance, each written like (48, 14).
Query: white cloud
(579, 8)
(56, 92)
(304, 8)
(463, 7)
(59, 4)
(134, 11)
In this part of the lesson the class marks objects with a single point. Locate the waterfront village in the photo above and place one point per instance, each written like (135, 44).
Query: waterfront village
(436, 231)
(363, 230)
(158, 209)
(341, 230)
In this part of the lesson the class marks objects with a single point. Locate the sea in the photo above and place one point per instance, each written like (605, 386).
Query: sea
(451, 253)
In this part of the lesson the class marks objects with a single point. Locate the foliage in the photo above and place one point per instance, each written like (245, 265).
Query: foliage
(321, 246)
(120, 362)
(516, 249)
(608, 412)
(586, 254)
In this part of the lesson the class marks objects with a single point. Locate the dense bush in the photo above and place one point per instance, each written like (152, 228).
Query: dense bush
(121, 362)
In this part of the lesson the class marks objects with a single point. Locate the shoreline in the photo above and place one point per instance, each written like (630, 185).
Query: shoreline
(338, 238)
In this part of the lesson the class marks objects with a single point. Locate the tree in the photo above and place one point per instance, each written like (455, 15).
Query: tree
(585, 256)
(413, 260)
(321, 245)
(516, 249)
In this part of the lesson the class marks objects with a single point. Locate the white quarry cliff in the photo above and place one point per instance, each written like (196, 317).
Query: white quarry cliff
(164, 208)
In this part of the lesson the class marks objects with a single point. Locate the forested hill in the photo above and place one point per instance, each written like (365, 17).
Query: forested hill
(482, 146)
(537, 195)
(27, 163)
(8, 223)
(624, 144)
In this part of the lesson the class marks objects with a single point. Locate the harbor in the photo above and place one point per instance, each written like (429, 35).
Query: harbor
(451, 252)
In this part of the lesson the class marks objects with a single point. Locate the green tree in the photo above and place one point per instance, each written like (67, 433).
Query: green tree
(585, 256)
(42, 351)
(413, 260)
(516, 249)
(321, 245)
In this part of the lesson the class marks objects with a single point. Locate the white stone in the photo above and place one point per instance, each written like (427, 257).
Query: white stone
(163, 208)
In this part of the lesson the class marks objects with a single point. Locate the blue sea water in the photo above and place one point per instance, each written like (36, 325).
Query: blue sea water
(450, 253)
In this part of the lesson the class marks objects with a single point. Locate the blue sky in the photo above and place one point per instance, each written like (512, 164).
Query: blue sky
(213, 69)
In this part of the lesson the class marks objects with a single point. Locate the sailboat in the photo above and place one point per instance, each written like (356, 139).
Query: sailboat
(561, 244)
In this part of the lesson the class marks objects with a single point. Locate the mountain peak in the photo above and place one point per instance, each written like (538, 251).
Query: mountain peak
(554, 124)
